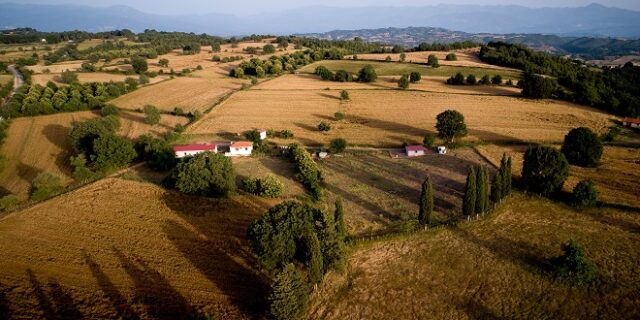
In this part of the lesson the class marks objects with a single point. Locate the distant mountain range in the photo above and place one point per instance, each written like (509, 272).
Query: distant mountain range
(587, 47)
(591, 20)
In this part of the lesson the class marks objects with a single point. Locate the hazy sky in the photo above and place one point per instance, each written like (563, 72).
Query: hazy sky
(244, 7)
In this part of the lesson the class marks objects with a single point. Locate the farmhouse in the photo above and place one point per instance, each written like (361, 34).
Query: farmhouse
(631, 122)
(229, 149)
(193, 149)
(415, 151)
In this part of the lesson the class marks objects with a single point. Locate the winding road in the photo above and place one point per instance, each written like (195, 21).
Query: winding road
(18, 80)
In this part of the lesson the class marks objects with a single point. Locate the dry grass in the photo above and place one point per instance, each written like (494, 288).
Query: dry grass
(431, 84)
(617, 178)
(58, 67)
(37, 144)
(389, 118)
(466, 58)
(491, 269)
(5, 78)
(84, 77)
(125, 249)
(189, 93)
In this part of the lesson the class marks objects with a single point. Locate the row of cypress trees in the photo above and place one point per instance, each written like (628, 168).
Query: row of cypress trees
(477, 194)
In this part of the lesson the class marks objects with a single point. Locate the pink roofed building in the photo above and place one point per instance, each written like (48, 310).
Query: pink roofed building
(415, 151)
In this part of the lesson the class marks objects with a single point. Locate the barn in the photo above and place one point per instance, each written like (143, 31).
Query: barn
(415, 151)
(182, 151)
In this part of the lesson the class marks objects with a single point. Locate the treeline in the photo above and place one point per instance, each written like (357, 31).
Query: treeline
(308, 171)
(446, 46)
(287, 62)
(31, 100)
(614, 90)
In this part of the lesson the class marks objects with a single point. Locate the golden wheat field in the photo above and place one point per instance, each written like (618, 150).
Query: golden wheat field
(616, 177)
(57, 67)
(431, 84)
(389, 118)
(491, 269)
(85, 77)
(188, 93)
(37, 144)
(466, 58)
(125, 249)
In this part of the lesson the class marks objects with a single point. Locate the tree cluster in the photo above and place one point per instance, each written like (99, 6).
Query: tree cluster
(205, 174)
(269, 186)
(502, 181)
(308, 171)
(545, 170)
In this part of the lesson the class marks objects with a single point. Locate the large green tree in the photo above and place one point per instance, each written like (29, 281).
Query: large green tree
(289, 296)
(470, 192)
(582, 147)
(206, 174)
(139, 64)
(545, 170)
(112, 152)
(367, 74)
(450, 125)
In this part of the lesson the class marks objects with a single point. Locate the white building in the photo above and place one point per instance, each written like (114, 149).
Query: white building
(193, 149)
(263, 134)
(631, 122)
(442, 150)
(415, 151)
(240, 149)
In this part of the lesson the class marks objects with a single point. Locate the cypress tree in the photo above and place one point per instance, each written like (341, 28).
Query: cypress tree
(314, 258)
(338, 218)
(469, 200)
(426, 203)
(509, 179)
(497, 187)
(487, 189)
(288, 298)
(481, 191)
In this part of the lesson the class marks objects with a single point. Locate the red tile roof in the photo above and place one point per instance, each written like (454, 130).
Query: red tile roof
(415, 148)
(242, 144)
(631, 120)
(195, 147)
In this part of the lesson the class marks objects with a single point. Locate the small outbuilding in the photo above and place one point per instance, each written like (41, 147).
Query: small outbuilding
(263, 134)
(442, 150)
(240, 149)
(415, 151)
(631, 122)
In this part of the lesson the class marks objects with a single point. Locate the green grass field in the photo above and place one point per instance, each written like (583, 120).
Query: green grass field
(394, 68)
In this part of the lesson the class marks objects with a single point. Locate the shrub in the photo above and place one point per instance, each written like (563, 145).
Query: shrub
(452, 57)
(432, 60)
(497, 79)
(450, 125)
(215, 58)
(510, 83)
(308, 171)
(574, 266)
(112, 152)
(324, 73)
(324, 126)
(486, 80)
(132, 84)
(254, 81)
(582, 147)
(611, 134)
(81, 173)
(545, 170)
(163, 62)
(45, 185)
(205, 174)
(110, 110)
(268, 49)
(139, 64)
(143, 79)
(286, 134)
(344, 95)
(337, 145)
(387, 59)
(585, 194)
(471, 79)
(151, 114)
(367, 74)
(250, 185)
(177, 111)
(415, 76)
(343, 76)
(403, 57)
(8, 202)
(428, 140)
(268, 186)
(458, 79)
(338, 116)
(403, 83)
(68, 77)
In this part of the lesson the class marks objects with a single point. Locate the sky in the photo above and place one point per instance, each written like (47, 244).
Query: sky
(248, 7)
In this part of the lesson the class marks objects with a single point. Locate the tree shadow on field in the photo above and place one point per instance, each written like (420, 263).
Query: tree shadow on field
(27, 172)
(153, 290)
(330, 96)
(219, 248)
(516, 252)
(53, 132)
(119, 302)
(5, 311)
(477, 310)
(139, 118)
(489, 136)
(385, 125)
(57, 303)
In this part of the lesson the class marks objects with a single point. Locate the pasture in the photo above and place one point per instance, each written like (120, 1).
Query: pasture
(391, 117)
(37, 144)
(396, 69)
(491, 269)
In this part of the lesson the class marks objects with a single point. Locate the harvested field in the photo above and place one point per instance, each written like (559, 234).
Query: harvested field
(496, 268)
(58, 67)
(37, 144)
(189, 93)
(396, 69)
(84, 77)
(431, 84)
(469, 58)
(617, 178)
(125, 249)
(5, 78)
(389, 118)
